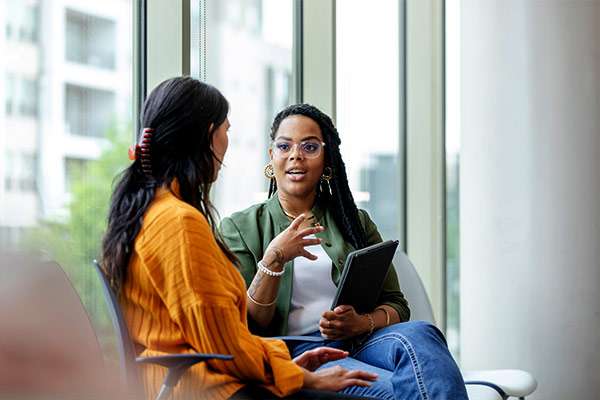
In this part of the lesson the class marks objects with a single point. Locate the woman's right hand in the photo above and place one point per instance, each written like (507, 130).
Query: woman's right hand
(291, 243)
(337, 378)
(313, 359)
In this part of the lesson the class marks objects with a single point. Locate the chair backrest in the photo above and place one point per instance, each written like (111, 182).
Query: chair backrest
(126, 350)
(413, 289)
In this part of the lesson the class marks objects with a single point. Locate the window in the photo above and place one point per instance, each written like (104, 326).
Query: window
(20, 172)
(278, 88)
(452, 38)
(21, 96)
(9, 170)
(369, 108)
(21, 22)
(248, 56)
(10, 94)
(90, 40)
(27, 180)
(378, 196)
(88, 112)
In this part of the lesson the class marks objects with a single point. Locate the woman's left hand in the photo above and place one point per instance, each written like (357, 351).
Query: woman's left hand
(342, 323)
(313, 359)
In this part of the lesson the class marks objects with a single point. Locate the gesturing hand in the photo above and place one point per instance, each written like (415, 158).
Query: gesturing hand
(342, 323)
(291, 242)
(313, 359)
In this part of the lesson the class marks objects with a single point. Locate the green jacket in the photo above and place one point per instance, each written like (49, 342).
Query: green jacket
(248, 233)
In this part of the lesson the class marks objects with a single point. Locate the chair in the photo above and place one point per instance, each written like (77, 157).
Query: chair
(481, 385)
(48, 347)
(176, 364)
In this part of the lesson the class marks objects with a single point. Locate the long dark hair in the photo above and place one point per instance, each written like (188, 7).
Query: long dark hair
(183, 114)
(341, 203)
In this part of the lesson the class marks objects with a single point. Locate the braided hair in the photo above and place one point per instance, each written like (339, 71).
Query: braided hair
(341, 203)
(175, 145)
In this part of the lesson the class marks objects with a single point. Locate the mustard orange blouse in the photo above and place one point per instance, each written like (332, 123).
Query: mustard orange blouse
(183, 295)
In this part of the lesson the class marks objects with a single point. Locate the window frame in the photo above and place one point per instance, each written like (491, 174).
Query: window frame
(425, 146)
(140, 39)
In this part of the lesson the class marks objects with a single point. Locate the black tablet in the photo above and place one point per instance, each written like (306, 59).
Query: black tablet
(363, 276)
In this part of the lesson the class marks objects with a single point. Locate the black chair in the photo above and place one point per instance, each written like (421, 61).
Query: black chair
(176, 364)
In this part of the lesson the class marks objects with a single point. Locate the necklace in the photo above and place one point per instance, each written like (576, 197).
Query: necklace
(293, 217)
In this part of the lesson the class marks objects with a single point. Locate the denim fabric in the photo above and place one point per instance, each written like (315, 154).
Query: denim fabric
(411, 359)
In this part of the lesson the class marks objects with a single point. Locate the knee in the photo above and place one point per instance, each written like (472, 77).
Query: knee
(414, 326)
(420, 329)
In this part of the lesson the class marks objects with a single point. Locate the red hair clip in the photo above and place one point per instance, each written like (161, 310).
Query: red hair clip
(136, 150)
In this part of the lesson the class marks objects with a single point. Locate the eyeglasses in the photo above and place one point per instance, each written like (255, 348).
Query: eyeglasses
(308, 148)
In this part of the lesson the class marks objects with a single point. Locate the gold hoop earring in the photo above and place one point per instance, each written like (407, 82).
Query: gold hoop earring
(326, 177)
(269, 171)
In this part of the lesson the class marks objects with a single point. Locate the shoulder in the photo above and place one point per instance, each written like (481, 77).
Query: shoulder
(365, 218)
(372, 233)
(370, 228)
(170, 224)
(254, 211)
(247, 230)
(245, 219)
(169, 213)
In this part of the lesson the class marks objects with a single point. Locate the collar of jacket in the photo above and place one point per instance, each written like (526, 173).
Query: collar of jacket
(282, 220)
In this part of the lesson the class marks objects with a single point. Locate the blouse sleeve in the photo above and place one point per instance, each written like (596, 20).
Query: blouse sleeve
(192, 281)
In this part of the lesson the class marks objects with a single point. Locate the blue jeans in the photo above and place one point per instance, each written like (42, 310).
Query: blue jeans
(411, 359)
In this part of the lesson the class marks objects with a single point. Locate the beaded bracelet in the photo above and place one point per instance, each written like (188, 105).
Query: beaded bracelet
(267, 271)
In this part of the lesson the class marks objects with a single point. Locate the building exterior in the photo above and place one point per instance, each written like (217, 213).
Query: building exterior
(65, 77)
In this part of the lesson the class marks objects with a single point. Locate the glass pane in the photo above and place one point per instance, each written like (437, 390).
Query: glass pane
(452, 176)
(82, 44)
(65, 126)
(21, 95)
(88, 111)
(244, 48)
(369, 116)
(21, 20)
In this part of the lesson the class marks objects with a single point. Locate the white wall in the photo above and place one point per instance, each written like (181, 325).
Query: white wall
(530, 191)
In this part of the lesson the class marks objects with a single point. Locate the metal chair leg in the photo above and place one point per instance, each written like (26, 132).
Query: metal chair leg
(164, 393)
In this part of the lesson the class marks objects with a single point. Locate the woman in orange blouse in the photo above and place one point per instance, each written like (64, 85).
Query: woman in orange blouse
(177, 282)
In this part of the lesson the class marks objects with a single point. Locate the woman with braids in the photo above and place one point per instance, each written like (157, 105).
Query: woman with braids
(292, 277)
(178, 284)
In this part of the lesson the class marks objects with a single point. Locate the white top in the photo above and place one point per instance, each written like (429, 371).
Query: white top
(313, 291)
